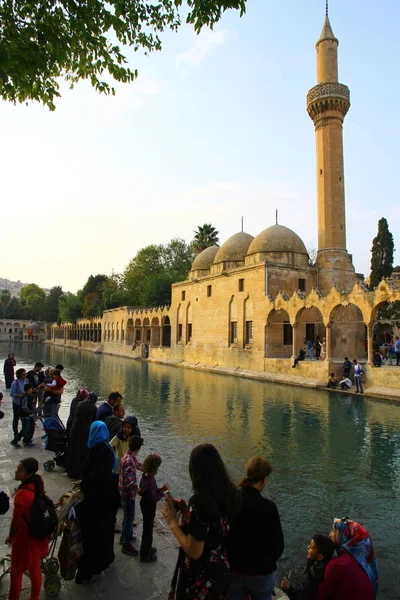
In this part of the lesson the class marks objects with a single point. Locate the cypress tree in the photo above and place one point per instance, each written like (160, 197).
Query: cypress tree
(381, 254)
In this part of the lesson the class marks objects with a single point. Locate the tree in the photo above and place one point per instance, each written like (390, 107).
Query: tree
(52, 304)
(43, 42)
(70, 307)
(13, 310)
(150, 274)
(381, 254)
(113, 292)
(92, 295)
(204, 237)
(32, 300)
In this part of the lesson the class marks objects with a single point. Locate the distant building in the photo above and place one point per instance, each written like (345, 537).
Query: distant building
(13, 330)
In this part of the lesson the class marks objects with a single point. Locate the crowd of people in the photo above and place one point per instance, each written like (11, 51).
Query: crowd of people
(230, 536)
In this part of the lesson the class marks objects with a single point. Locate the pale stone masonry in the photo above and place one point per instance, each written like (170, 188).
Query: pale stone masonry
(247, 306)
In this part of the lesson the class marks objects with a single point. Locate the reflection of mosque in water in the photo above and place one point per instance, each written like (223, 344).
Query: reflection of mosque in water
(250, 303)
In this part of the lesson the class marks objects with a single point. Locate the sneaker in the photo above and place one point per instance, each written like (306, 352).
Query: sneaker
(13, 442)
(152, 557)
(16, 445)
(29, 445)
(130, 550)
(134, 523)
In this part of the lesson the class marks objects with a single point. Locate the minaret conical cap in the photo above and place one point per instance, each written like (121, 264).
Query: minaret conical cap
(327, 33)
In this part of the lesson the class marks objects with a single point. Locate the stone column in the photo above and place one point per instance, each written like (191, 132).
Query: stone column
(370, 359)
(328, 334)
(295, 340)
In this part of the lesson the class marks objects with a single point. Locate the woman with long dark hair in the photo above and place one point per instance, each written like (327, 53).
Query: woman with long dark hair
(202, 571)
(256, 538)
(27, 551)
(98, 510)
(8, 370)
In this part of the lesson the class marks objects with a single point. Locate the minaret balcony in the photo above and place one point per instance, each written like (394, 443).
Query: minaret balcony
(328, 97)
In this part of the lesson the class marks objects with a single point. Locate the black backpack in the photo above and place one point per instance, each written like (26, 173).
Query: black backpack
(43, 517)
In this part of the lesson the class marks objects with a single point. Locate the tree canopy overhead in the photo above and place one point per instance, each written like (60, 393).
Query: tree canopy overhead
(43, 41)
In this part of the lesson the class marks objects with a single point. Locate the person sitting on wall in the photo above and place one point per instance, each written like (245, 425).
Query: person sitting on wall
(301, 356)
(377, 359)
(346, 384)
(332, 381)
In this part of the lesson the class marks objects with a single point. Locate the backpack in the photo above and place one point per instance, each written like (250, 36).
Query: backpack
(43, 517)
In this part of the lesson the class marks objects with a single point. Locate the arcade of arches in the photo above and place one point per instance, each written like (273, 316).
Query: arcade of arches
(254, 334)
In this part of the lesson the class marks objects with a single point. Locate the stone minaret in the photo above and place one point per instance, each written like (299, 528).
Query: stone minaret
(327, 105)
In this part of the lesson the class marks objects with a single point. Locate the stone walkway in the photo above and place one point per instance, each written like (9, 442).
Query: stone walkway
(127, 578)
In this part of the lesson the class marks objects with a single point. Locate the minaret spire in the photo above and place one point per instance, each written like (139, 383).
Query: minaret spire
(326, 8)
(327, 105)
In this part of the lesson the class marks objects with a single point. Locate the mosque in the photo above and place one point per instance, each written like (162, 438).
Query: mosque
(247, 306)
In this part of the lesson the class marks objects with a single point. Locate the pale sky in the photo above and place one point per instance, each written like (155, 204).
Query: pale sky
(214, 128)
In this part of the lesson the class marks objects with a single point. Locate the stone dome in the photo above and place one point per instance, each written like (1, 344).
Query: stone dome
(235, 248)
(205, 259)
(277, 238)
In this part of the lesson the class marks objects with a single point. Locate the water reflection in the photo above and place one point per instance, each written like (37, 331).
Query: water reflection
(333, 455)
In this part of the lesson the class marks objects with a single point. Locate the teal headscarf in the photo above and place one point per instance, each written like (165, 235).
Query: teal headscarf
(99, 433)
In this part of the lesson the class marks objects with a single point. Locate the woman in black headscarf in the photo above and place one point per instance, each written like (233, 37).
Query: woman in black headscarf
(98, 510)
(85, 414)
(8, 370)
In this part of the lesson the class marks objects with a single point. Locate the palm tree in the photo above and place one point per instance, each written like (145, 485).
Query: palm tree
(204, 237)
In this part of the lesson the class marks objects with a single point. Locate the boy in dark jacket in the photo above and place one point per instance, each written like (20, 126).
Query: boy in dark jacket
(319, 553)
(26, 412)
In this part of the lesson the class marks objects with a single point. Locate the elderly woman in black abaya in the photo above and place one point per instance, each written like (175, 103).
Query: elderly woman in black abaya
(78, 450)
(8, 370)
(98, 510)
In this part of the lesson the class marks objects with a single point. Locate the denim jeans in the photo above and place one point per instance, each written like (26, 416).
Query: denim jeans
(359, 384)
(128, 507)
(50, 408)
(259, 587)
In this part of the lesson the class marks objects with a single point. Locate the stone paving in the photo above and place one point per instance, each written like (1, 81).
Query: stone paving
(127, 578)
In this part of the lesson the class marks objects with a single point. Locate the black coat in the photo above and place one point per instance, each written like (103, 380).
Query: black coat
(98, 510)
(256, 538)
(78, 450)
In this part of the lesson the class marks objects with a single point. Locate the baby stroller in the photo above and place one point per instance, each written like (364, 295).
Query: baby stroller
(56, 441)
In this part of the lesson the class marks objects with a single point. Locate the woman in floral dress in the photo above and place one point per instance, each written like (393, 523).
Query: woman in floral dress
(202, 571)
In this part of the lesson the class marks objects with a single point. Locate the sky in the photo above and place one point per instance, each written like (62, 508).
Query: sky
(215, 128)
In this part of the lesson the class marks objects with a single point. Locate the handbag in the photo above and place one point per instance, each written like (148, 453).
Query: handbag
(71, 547)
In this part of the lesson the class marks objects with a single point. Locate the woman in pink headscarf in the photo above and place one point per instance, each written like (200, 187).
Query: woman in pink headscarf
(353, 575)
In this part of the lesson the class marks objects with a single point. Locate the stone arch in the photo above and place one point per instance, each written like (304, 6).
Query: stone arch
(122, 331)
(384, 327)
(117, 331)
(130, 332)
(278, 334)
(348, 332)
(179, 325)
(310, 326)
(138, 330)
(233, 322)
(146, 330)
(112, 331)
(248, 319)
(155, 332)
(166, 331)
(189, 323)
